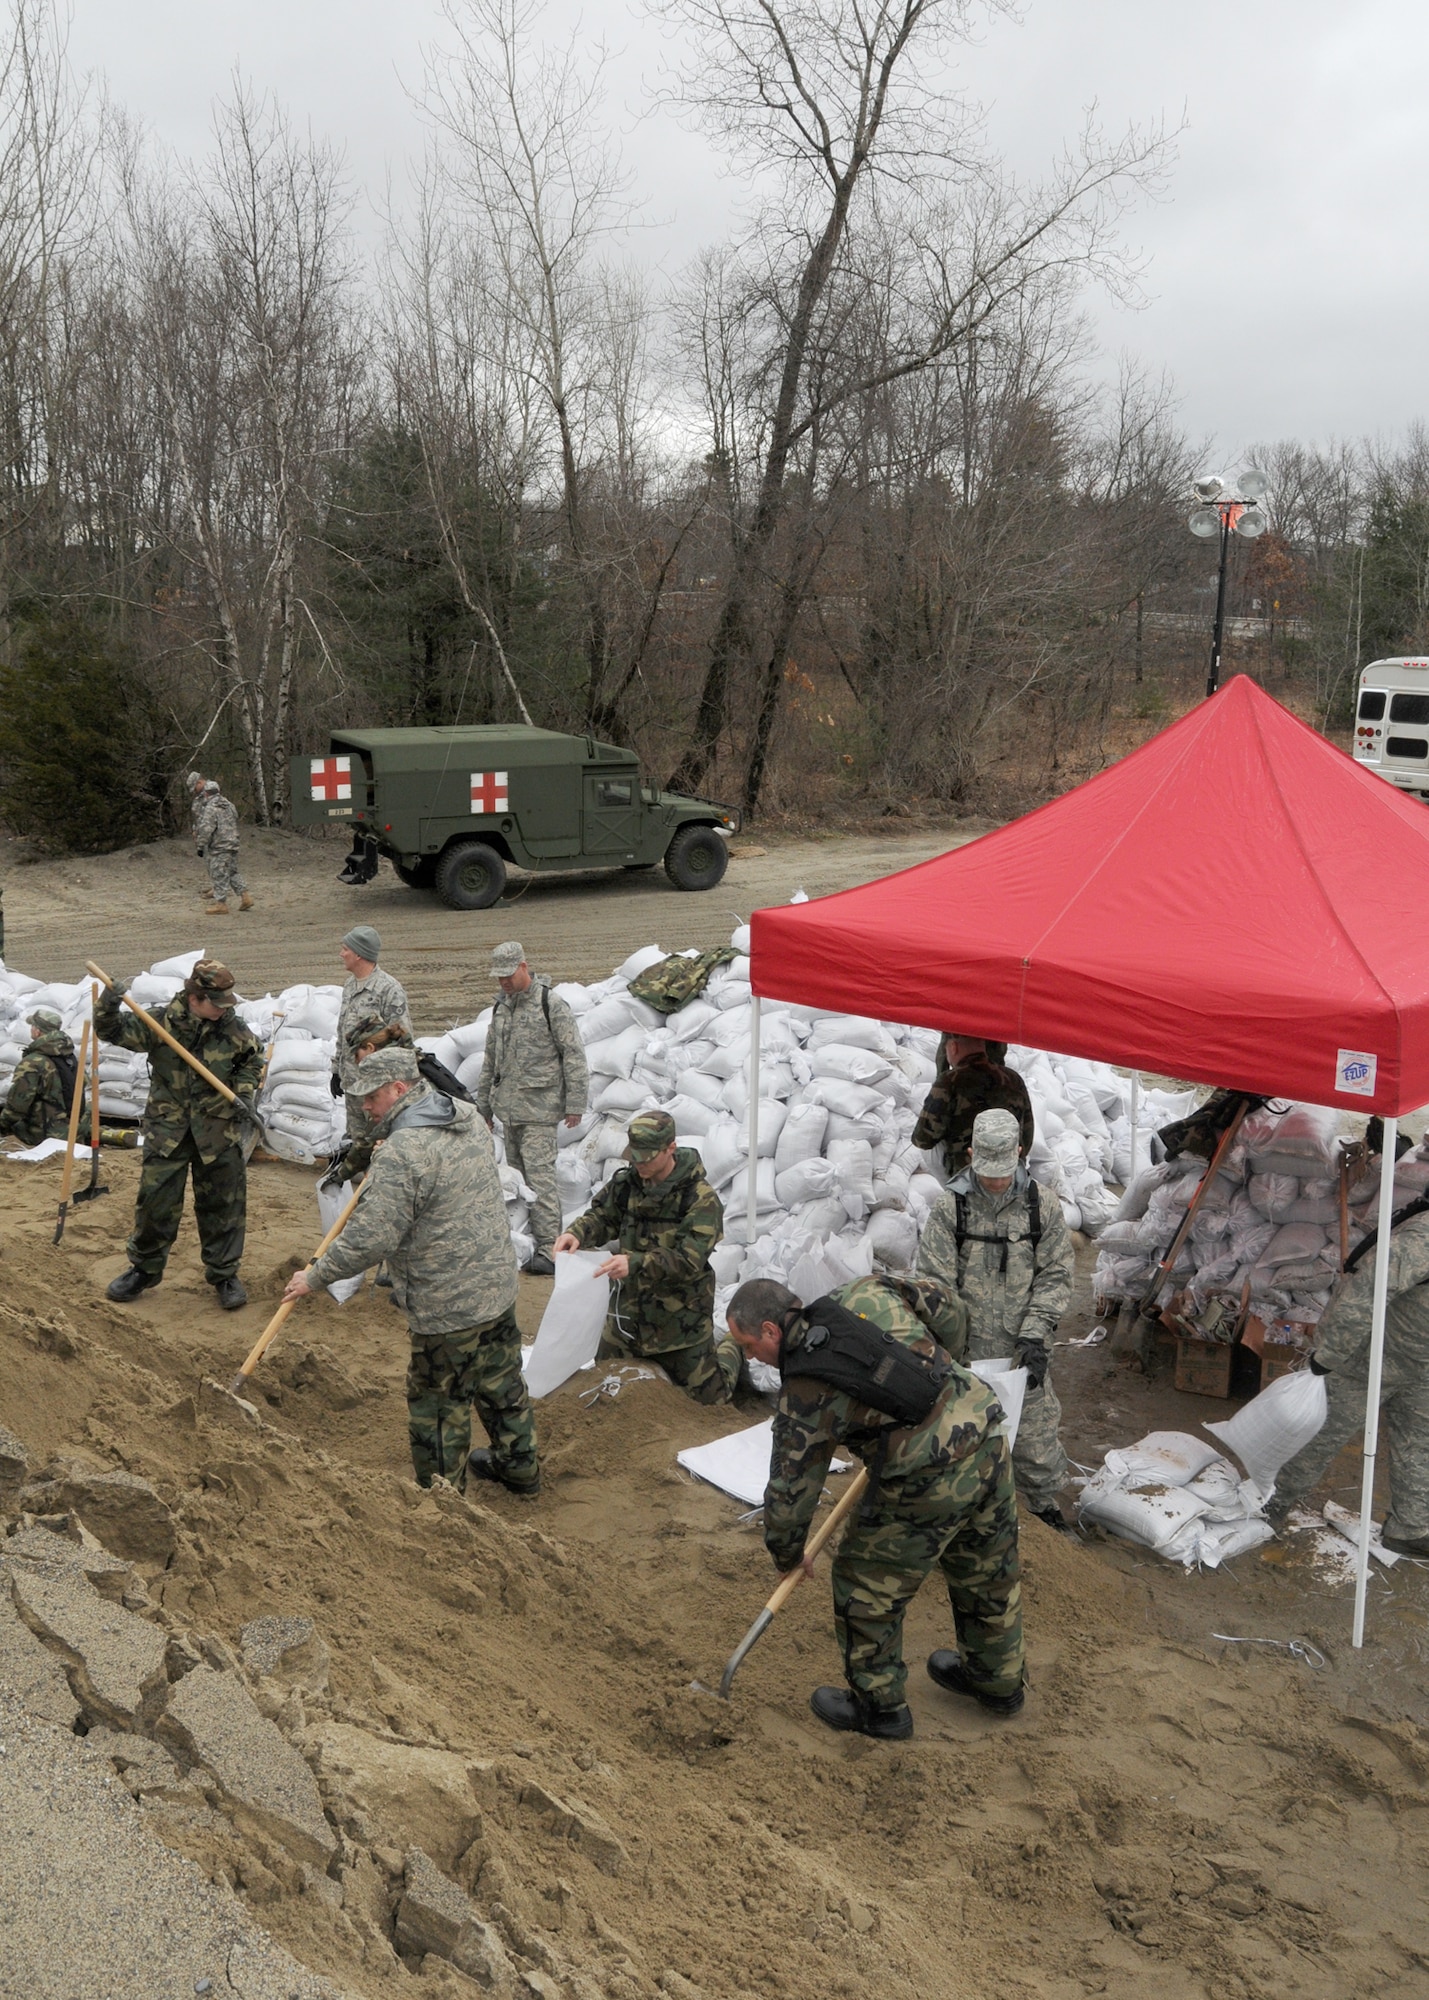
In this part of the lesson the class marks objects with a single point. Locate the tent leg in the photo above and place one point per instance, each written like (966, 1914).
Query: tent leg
(1376, 1371)
(1135, 1121)
(752, 1177)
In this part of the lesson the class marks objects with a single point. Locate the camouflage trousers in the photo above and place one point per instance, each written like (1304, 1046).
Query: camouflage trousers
(1404, 1414)
(1039, 1463)
(224, 875)
(961, 1519)
(531, 1150)
(447, 1374)
(220, 1209)
(707, 1369)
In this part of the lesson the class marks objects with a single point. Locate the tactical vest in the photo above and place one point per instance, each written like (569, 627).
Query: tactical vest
(874, 1367)
(1405, 1214)
(68, 1068)
(964, 1235)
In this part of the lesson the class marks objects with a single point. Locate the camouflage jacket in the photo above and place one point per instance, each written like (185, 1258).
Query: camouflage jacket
(432, 1207)
(1027, 1299)
(534, 1070)
(180, 1101)
(982, 1083)
(667, 1229)
(368, 1003)
(813, 1417)
(38, 1105)
(1342, 1336)
(216, 826)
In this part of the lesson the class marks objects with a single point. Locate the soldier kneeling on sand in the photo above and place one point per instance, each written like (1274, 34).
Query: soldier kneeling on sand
(43, 1085)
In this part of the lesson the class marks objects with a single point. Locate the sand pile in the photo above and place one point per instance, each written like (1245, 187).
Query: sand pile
(496, 1712)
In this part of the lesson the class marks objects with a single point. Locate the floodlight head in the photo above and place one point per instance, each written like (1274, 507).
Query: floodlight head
(1251, 523)
(1205, 522)
(1253, 483)
(1208, 488)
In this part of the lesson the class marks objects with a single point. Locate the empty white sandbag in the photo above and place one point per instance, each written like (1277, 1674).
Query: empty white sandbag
(1274, 1425)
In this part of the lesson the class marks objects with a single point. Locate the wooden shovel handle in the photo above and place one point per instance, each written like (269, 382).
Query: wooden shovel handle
(93, 1076)
(1164, 1268)
(75, 1102)
(271, 1330)
(835, 1518)
(157, 1028)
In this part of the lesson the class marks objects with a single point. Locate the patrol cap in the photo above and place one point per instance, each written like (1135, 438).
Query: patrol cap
(390, 1065)
(211, 980)
(996, 1143)
(193, 778)
(507, 958)
(364, 941)
(649, 1134)
(45, 1017)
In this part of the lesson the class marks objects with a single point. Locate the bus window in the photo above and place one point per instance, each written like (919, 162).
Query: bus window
(1409, 708)
(1372, 705)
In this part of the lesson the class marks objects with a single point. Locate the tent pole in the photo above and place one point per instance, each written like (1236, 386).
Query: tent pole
(752, 1176)
(1135, 1120)
(1376, 1370)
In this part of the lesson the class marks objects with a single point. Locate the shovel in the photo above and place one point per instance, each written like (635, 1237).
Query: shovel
(75, 1103)
(94, 1190)
(837, 1515)
(272, 1329)
(201, 1069)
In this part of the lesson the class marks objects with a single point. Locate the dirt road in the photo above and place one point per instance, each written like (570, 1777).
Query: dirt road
(128, 909)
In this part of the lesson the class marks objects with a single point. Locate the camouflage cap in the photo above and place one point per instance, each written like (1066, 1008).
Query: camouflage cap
(995, 1144)
(507, 958)
(193, 778)
(383, 1066)
(649, 1134)
(45, 1017)
(211, 980)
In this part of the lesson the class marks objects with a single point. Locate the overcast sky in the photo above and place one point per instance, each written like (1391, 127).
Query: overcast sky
(1286, 266)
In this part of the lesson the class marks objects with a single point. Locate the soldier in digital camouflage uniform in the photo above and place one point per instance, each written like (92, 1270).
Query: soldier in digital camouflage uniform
(533, 1074)
(194, 785)
(371, 1001)
(1016, 1292)
(1342, 1357)
(43, 1085)
(190, 1130)
(432, 1209)
(973, 1076)
(216, 830)
(666, 1219)
(944, 1499)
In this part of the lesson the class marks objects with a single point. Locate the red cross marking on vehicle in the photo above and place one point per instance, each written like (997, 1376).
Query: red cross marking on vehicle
(332, 777)
(488, 792)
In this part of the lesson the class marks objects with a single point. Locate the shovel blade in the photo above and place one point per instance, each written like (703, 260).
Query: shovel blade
(60, 1223)
(746, 1645)
(92, 1193)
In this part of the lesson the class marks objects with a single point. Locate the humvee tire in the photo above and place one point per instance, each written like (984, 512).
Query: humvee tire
(420, 877)
(696, 858)
(471, 875)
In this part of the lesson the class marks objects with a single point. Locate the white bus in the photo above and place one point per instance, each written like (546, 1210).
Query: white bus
(1392, 723)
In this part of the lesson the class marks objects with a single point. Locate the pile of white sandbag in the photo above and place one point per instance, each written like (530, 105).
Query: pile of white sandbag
(1271, 1218)
(302, 1120)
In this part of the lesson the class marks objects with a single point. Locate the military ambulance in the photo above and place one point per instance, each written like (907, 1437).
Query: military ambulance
(453, 809)
(1392, 723)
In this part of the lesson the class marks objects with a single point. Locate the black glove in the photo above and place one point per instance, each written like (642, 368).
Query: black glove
(1033, 1356)
(336, 1173)
(1317, 1367)
(334, 1084)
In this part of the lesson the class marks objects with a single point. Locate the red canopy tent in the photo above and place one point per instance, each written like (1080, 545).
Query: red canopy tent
(1237, 903)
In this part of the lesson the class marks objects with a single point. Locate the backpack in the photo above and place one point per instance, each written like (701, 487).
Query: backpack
(1371, 1237)
(963, 1234)
(851, 1353)
(671, 983)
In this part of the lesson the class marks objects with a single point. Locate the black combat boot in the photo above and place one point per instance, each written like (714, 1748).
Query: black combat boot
(230, 1293)
(128, 1285)
(479, 1466)
(540, 1266)
(841, 1709)
(1055, 1519)
(947, 1670)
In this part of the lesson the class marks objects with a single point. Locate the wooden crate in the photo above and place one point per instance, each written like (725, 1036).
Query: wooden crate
(1203, 1367)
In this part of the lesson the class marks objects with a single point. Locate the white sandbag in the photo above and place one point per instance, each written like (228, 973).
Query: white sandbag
(1308, 1132)
(802, 1137)
(1172, 1457)
(1152, 1518)
(736, 1196)
(852, 1031)
(691, 1115)
(618, 1094)
(1010, 1382)
(854, 1160)
(772, 1117)
(640, 961)
(727, 1263)
(570, 1328)
(818, 1218)
(849, 1100)
(298, 1054)
(1274, 1425)
(806, 1180)
(612, 1017)
(869, 1129)
(707, 1090)
(894, 1236)
(153, 992)
(723, 1152)
(178, 967)
(615, 1055)
(848, 1065)
(578, 998)
(299, 1097)
(925, 1188)
(331, 1203)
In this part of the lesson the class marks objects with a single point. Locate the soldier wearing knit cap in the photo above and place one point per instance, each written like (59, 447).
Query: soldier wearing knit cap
(371, 1001)
(43, 1085)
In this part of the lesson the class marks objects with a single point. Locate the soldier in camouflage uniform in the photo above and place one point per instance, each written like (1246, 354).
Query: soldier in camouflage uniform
(1015, 1290)
(371, 1000)
(942, 1497)
(189, 1129)
(43, 1085)
(973, 1076)
(666, 1218)
(194, 786)
(533, 1074)
(432, 1209)
(1342, 1357)
(216, 830)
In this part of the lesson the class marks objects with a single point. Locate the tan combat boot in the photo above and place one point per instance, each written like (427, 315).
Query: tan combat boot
(247, 903)
(216, 910)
